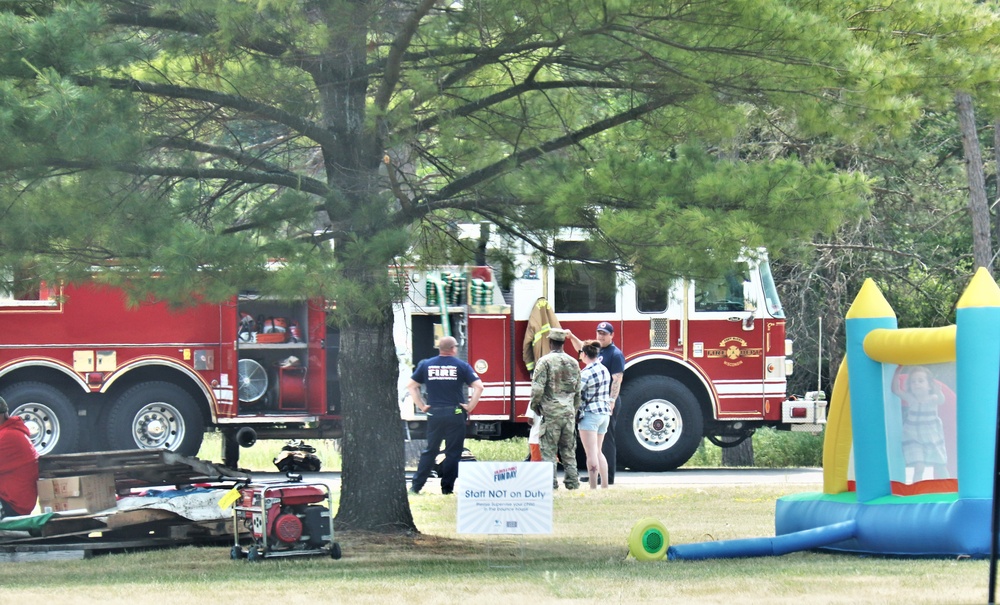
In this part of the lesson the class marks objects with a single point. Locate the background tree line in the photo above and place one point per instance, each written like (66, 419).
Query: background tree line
(916, 243)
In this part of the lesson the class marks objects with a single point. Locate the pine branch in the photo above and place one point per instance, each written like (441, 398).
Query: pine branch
(510, 93)
(396, 51)
(243, 159)
(442, 199)
(287, 180)
(322, 136)
(133, 14)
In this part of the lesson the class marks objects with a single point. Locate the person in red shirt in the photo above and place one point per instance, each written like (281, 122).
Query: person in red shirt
(18, 466)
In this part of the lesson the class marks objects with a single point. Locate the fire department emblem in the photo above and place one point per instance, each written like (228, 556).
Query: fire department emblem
(733, 349)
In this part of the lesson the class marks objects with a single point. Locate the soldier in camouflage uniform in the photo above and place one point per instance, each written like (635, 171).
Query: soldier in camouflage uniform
(555, 396)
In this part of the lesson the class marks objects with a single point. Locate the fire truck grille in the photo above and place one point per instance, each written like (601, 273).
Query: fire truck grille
(659, 333)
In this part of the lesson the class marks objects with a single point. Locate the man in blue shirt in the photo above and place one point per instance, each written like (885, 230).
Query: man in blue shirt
(447, 379)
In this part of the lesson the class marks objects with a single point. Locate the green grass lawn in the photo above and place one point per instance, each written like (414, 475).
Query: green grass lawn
(583, 560)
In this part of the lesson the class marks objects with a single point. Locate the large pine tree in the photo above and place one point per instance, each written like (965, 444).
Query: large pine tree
(201, 138)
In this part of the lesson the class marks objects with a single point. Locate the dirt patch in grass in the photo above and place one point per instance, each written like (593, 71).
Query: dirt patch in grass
(365, 544)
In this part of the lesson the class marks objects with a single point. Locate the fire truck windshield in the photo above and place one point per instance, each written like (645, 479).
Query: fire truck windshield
(726, 293)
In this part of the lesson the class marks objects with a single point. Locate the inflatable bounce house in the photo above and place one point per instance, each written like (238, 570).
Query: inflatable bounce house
(908, 456)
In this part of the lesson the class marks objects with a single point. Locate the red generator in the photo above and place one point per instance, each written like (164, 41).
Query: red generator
(284, 519)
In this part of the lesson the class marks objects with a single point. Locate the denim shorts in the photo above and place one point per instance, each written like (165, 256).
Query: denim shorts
(593, 421)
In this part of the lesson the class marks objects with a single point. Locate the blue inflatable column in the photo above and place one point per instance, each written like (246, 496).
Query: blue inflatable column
(766, 547)
(869, 311)
(977, 356)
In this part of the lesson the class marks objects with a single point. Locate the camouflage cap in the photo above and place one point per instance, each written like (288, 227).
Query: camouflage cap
(557, 335)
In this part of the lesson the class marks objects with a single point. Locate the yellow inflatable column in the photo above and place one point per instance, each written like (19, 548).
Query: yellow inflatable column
(837, 440)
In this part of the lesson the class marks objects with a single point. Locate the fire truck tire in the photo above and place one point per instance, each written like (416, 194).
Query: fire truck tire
(155, 415)
(659, 426)
(49, 414)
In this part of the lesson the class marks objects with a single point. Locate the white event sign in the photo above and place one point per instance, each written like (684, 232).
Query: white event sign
(504, 498)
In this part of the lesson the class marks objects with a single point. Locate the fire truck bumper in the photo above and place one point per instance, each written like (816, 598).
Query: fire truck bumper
(806, 415)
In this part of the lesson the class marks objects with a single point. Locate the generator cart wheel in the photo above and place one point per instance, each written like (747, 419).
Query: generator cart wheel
(253, 554)
(52, 421)
(335, 551)
(156, 415)
(659, 426)
(236, 553)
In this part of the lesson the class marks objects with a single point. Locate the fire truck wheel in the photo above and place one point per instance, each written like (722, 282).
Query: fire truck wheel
(659, 426)
(155, 415)
(48, 413)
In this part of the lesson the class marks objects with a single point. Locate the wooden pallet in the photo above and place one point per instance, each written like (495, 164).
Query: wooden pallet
(75, 548)
(137, 468)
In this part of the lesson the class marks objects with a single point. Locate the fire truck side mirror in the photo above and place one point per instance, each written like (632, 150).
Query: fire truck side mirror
(749, 296)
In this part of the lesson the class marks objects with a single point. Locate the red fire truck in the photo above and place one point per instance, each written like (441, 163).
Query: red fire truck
(703, 357)
(87, 372)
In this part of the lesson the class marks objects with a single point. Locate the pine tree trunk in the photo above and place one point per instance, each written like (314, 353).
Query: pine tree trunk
(979, 211)
(740, 455)
(373, 485)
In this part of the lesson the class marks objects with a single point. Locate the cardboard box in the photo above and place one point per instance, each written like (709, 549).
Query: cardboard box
(93, 493)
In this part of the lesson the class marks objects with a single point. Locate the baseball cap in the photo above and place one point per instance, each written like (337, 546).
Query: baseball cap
(605, 327)
(557, 335)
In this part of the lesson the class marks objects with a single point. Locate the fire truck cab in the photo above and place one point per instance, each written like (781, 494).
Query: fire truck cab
(704, 358)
